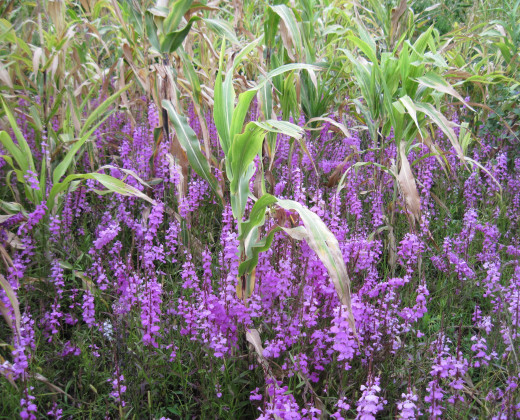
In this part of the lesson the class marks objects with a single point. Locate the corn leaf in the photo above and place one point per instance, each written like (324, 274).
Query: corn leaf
(190, 143)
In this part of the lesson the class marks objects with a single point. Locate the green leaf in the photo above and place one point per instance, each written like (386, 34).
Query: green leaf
(240, 112)
(223, 110)
(242, 153)
(189, 71)
(23, 146)
(289, 20)
(245, 51)
(434, 81)
(365, 48)
(13, 150)
(288, 67)
(87, 125)
(442, 122)
(282, 127)
(109, 182)
(257, 215)
(222, 29)
(151, 31)
(178, 10)
(191, 145)
(173, 40)
(60, 170)
(262, 245)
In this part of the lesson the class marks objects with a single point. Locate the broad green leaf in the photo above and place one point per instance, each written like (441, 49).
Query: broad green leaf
(177, 11)
(242, 153)
(262, 245)
(151, 31)
(240, 196)
(442, 122)
(285, 68)
(409, 105)
(365, 48)
(257, 215)
(224, 105)
(173, 40)
(282, 127)
(240, 112)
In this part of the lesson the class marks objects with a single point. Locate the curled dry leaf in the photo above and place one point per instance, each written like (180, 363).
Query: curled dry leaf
(408, 186)
(6, 314)
(253, 337)
(14, 241)
(13, 300)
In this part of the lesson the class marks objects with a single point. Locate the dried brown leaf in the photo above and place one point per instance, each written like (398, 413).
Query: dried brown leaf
(408, 186)
(5, 77)
(14, 301)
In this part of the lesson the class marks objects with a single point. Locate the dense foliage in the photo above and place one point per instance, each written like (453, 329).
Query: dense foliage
(287, 209)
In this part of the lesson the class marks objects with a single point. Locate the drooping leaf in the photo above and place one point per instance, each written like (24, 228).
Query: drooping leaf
(326, 246)
(408, 186)
(434, 81)
(289, 31)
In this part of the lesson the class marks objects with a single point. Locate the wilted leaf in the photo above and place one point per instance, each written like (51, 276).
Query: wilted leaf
(13, 300)
(326, 246)
(408, 186)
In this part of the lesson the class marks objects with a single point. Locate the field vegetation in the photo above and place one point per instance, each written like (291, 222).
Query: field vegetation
(259, 209)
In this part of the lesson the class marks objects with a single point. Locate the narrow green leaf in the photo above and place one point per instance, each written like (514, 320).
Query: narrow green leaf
(13, 150)
(190, 73)
(222, 28)
(87, 125)
(109, 182)
(191, 145)
(289, 20)
(63, 166)
(23, 146)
